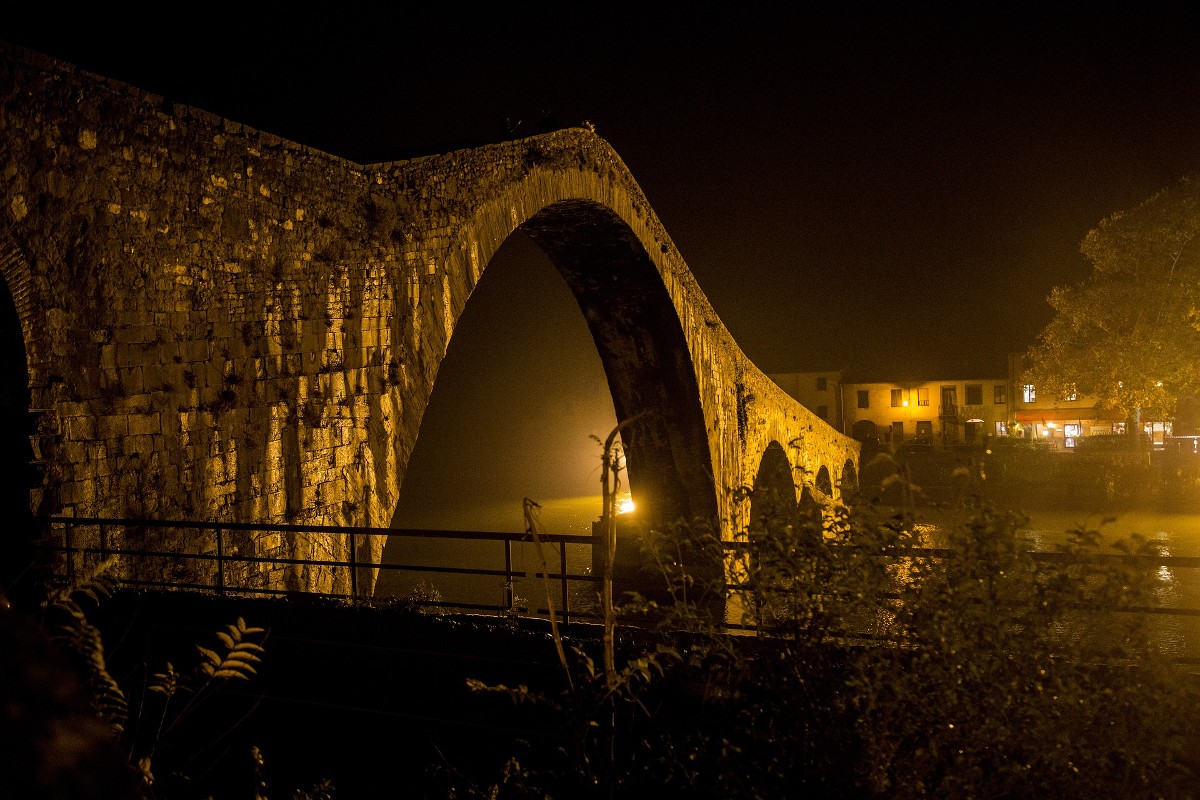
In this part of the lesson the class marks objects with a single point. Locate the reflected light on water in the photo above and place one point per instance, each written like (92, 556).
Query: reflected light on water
(1174, 534)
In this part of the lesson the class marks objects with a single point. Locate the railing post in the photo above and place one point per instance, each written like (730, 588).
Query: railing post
(353, 569)
(220, 563)
(508, 578)
(562, 571)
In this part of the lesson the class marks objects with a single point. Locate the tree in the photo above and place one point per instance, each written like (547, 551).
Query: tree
(1129, 335)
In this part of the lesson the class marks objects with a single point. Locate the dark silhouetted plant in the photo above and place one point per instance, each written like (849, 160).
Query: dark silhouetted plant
(879, 659)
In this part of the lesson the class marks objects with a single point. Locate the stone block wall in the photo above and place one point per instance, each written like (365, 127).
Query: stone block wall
(224, 325)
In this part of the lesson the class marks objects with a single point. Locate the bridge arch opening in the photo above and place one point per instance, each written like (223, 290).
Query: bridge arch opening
(517, 397)
(773, 499)
(637, 346)
(644, 352)
(19, 578)
(823, 482)
(848, 486)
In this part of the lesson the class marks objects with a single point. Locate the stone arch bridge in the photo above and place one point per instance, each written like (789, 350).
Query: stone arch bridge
(220, 324)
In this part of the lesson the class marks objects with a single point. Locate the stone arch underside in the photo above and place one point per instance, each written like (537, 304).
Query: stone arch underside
(18, 345)
(773, 498)
(823, 482)
(644, 353)
(848, 485)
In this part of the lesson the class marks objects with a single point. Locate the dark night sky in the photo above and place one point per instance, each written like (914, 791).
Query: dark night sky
(890, 190)
(860, 187)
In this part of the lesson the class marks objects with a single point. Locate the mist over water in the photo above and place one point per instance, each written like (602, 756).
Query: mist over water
(514, 408)
(515, 404)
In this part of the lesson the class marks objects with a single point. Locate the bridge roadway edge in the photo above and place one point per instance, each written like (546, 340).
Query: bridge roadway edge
(222, 324)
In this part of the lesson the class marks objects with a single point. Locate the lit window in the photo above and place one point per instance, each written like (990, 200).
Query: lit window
(1002, 429)
(1071, 394)
(864, 398)
(1029, 393)
(922, 397)
(897, 398)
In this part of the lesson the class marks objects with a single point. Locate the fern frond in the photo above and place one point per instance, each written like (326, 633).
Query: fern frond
(164, 682)
(107, 697)
(75, 632)
(239, 656)
(209, 655)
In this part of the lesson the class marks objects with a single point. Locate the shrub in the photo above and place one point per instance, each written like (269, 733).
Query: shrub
(880, 666)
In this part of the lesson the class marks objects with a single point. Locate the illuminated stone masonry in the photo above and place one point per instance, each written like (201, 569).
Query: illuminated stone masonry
(224, 325)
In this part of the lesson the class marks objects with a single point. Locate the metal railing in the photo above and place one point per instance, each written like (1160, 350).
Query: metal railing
(212, 557)
(1176, 613)
(229, 558)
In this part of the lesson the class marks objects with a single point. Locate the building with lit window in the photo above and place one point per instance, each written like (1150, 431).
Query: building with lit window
(945, 412)
(1062, 421)
(960, 411)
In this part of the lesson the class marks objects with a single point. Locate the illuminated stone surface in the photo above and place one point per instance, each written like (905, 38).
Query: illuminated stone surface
(224, 325)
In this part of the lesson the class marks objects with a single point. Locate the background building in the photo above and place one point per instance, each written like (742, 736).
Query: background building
(1063, 421)
(942, 412)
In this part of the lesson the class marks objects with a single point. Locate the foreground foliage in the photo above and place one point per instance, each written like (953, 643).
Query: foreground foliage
(879, 667)
(157, 733)
(876, 660)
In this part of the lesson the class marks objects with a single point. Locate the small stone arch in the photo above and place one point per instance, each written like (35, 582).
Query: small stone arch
(824, 484)
(17, 346)
(773, 498)
(848, 486)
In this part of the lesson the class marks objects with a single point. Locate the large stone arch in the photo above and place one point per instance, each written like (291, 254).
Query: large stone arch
(639, 303)
(224, 325)
(644, 352)
(21, 346)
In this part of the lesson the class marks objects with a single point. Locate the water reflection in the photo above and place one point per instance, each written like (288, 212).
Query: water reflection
(568, 515)
(1175, 535)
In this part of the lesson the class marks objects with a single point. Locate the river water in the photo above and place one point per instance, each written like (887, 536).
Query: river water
(569, 515)
(1178, 534)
